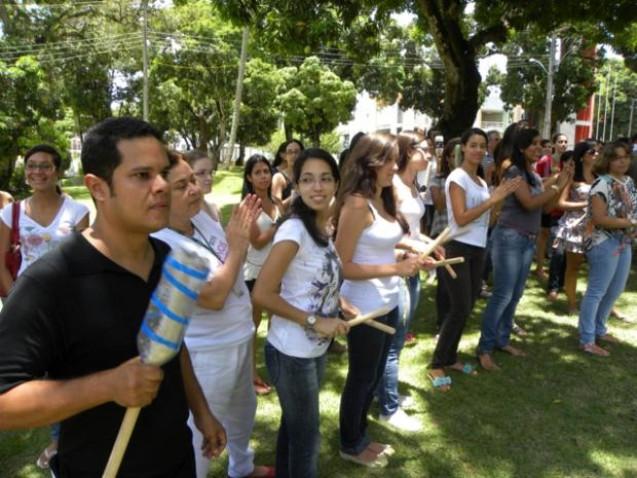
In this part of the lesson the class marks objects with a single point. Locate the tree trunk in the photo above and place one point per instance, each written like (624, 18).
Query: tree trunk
(459, 59)
(242, 155)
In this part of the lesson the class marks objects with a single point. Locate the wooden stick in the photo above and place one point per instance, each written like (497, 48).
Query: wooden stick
(441, 239)
(123, 437)
(449, 262)
(377, 325)
(369, 316)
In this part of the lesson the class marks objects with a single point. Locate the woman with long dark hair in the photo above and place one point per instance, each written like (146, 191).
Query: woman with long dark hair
(257, 179)
(514, 239)
(283, 181)
(368, 228)
(299, 284)
(613, 211)
(468, 207)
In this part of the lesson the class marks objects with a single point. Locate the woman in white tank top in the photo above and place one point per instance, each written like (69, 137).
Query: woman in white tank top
(411, 160)
(367, 231)
(257, 179)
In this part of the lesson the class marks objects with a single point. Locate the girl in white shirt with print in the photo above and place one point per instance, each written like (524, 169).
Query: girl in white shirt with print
(299, 284)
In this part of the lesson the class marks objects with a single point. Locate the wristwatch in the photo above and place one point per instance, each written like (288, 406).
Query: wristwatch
(633, 222)
(310, 321)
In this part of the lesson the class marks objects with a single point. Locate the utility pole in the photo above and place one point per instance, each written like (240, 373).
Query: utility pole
(145, 59)
(606, 103)
(238, 93)
(549, 89)
(630, 119)
(612, 111)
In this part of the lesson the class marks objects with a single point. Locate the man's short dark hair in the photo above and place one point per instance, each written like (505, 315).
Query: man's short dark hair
(100, 155)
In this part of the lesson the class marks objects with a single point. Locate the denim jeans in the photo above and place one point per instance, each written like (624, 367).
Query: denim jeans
(387, 390)
(297, 382)
(367, 351)
(608, 269)
(463, 293)
(511, 255)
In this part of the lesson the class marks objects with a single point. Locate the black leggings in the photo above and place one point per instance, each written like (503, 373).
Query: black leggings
(462, 294)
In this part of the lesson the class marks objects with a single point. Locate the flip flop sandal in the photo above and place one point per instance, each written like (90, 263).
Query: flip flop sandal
(440, 382)
(467, 369)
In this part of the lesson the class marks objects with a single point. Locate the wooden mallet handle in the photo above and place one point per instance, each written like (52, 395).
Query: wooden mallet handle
(123, 437)
(377, 325)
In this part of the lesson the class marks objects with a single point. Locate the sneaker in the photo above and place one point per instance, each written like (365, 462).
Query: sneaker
(406, 401)
(401, 421)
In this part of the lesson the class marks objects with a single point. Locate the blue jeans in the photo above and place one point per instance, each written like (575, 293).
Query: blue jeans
(297, 382)
(387, 390)
(367, 352)
(511, 256)
(608, 269)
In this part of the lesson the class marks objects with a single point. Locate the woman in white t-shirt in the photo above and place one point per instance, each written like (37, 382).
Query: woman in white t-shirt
(299, 284)
(468, 207)
(219, 337)
(46, 217)
(257, 179)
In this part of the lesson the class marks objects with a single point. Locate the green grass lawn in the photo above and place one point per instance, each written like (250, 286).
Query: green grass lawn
(555, 413)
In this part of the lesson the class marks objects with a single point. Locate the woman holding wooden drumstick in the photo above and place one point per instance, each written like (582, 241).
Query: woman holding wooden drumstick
(368, 228)
(299, 284)
(412, 159)
(468, 207)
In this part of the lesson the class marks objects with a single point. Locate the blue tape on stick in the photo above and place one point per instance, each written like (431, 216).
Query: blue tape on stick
(166, 311)
(178, 285)
(197, 274)
(156, 338)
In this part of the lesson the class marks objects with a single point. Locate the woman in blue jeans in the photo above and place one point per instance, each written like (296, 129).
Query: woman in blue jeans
(613, 212)
(299, 284)
(514, 239)
(412, 158)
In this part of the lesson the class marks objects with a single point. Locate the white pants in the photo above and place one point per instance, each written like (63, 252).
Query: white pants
(225, 376)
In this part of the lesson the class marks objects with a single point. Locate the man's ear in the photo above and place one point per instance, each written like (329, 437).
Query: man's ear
(97, 187)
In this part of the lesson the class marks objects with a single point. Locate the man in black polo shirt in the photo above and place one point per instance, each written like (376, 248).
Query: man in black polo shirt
(74, 316)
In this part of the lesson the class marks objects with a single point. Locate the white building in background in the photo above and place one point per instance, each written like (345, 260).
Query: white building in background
(369, 115)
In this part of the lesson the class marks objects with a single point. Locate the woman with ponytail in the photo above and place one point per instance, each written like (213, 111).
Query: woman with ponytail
(468, 206)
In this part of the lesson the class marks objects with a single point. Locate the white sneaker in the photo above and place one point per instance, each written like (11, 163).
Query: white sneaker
(402, 421)
(406, 401)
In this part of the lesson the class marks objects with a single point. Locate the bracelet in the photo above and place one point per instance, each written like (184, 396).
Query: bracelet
(555, 188)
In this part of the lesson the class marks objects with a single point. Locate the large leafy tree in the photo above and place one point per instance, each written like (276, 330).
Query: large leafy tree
(460, 34)
(313, 100)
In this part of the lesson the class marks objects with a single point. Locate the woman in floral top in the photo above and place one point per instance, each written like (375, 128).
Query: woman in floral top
(613, 211)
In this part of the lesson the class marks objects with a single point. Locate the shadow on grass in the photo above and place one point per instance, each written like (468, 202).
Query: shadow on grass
(557, 412)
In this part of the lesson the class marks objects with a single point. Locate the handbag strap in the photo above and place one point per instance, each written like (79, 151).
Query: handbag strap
(15, 223)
